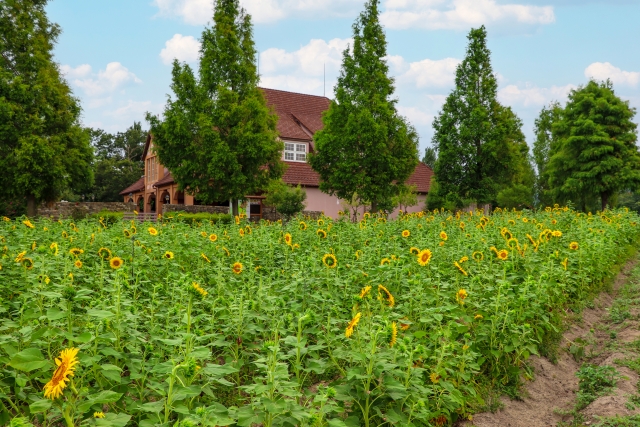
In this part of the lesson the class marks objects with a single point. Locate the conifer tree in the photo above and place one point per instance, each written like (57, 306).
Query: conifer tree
(366, 147)
(43, 149)
(473, 133)
(430, 157)
(542, 149)
(597, 153)
(218, 138)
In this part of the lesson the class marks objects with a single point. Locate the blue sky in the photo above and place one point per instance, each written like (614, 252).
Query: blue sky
(116, 54)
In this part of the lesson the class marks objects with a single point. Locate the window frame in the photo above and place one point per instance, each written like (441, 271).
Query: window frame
(295, 151)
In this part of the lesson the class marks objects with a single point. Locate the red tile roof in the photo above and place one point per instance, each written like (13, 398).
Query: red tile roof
(297, 111)
(133, 188)
(166, 179)
(421, 177)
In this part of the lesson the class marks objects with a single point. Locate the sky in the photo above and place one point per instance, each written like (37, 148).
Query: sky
(117, 54)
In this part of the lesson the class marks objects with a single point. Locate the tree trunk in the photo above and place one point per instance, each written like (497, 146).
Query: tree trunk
(234, 207)
(374, 207)
(31, 206)
(605, 200)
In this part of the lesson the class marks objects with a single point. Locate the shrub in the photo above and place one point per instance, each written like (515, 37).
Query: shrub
(198, 218)
(108, 217)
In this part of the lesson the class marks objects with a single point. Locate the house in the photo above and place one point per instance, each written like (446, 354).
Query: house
(299, 117)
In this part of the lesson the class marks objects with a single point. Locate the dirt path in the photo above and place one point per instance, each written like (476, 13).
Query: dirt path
(607, 334)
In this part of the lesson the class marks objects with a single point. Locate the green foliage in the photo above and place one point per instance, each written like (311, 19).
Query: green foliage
(517, 196)
(437, 200)
(594, 381)
(407, 196)
(287, 200)
(479, 142)
(430, 157)
(43, 149)
(218, 137)
(597, 154)
(108, 217)
(118, 161)
(630, 200)
(366, 147)
(544, 147)
(198, 218)
(268, 343)
(619, 421)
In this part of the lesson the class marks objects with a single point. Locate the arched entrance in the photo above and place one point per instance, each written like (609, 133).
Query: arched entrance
(140, 203)
(165, 199)
(151, 203)
(178, 198)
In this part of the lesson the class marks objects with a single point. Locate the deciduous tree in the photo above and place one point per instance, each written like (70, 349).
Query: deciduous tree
(218, 137)
(43, 149)
(366, 147)
(597, 153)
(542, 149)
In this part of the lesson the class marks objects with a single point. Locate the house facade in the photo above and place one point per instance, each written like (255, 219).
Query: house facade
(299, 118)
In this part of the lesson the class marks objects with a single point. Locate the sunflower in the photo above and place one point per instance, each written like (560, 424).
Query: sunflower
(203, 233)
(116, 263)
(330, 260)
(27, 262)
(441, 243)
(478, 317)
(394, 334)
(406, 233)
(168, 255)
(28, 223)
(352, 324)
(364, 292)
(320, 222)
(424, 257)
(358, 254)
(126, 232)
(556, 233)
(66, 363)
(435, 378)
(197, 288)
(76, 251)
(295, 246)
(6, 219)
(366, 215)
(477, 256)
(503, 254)
(204, 257)
(387, 295)
(237, 268)
(248, 229)
(287, 239)
(384, 261)
(20, 256)
(321, 233)
(303, 225)
(461, 295)
(104, 253)
(565, 263)
(464, 259)
(573, 245)
(78, 264)
(443, 235)
(414, 250)
(404, 326)
(226, 251)
(213, 237)
(237, 218)
(459, 267)
(241, 232)
(98, 414)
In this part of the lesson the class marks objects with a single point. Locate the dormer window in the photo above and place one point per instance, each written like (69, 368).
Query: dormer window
(295, 152)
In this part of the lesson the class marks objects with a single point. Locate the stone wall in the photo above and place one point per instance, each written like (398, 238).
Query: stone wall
(79, 210)
(269, 212)
(195, 209)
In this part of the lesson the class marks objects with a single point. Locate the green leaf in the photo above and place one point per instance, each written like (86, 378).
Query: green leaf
(154, 407)
(55, 313)
(106, 396)
(40, 406)
(113, 420)
(28, 360)
(100, 314)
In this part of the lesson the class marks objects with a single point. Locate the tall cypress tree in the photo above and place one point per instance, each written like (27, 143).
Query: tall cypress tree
(597, 153)
(475, 156)
(218, 138)
(43, 149)
(366, 147)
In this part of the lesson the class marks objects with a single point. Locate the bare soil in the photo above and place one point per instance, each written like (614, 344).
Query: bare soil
(552, 393)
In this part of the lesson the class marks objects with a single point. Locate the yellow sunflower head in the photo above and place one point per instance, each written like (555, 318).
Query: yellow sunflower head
(461, 295)
(330, 261)
(115, 263)
(384, 261)
(320, 222)
(503, 255)
(241, 232)
(287, 239)
(126, 233)
(573, 245)
(98, 414)
(321, 233)
(303, 225)
(414, 250)
(76, 251)
(104, 253)
(66, 365)
(556, 233)
(406, 233)
(358, 254)
(443, 235)
(27, 263)
(477, 256)
(213, 237)
(78, 264)
(424, 257)
(237, 268)
(168, 255)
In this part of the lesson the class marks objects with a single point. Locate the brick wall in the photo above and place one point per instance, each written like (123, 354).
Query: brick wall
(82, 209)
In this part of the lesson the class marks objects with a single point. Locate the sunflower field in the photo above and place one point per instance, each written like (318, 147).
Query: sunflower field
(403, 322)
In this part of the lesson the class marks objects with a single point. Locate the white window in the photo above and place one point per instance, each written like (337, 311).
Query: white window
(295, 152)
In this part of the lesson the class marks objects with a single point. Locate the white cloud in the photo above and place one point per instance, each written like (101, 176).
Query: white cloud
(135, 108)
(604, 71)
(199, 12)
(461, 14)
(430, 73)
(182, 48)
(78, 72)
(416, 116)
(533, 96)
(113, 77)
(302, 70)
